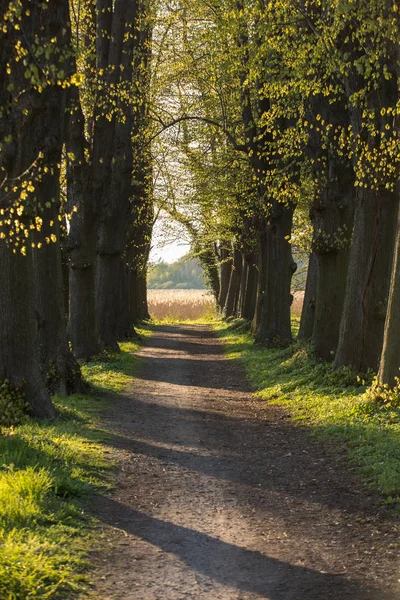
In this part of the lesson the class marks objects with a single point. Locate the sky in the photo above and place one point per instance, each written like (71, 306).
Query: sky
(168, 252)
(169, 241)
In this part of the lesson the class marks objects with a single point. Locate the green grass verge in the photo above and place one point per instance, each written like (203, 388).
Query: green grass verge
(48, 470)
(333, 405)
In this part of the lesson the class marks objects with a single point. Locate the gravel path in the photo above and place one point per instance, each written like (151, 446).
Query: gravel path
(220, 496)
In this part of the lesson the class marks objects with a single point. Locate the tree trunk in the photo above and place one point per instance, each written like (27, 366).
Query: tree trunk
(19, 359)
(225, 276)
(116, 192)
(332, 216)
(37, 143)
(274, 327)
(141, 290)
(233, 285)
(124, 327)
(107, 285)
(368, 280)
(375, 219)
(249, 300)
(236, 301)
(82, 239)
(59, 367)
(389, 368)
(308, 310)
(243, 285)
(137, 250)
(261, 279)
(208, 260)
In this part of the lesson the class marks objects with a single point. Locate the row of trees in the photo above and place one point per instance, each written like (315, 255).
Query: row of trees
(284, 131)
(258, 126)
(76, 208)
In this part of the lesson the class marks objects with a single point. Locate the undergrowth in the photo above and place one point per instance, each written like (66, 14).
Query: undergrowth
(48, 470)
(336, 405)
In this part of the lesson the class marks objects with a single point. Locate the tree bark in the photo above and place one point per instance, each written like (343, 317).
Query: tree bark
(368, 280)
(35, 117)
(117, 187)
(389, 367)
(208, 259)
(82, 239)
(243, 285)
(19, 356)
(274, 328)
(225, 274)
(376, 209)
(249, 300)
(60, 369)
(236, 300)
(234, 283)
(332, 216)
(262, 277)
(124, 328)
(308, 310)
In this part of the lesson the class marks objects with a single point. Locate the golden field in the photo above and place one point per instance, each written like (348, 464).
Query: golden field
(192, 305)
(180, 305)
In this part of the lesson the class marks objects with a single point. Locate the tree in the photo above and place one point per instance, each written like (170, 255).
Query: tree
(35, 43)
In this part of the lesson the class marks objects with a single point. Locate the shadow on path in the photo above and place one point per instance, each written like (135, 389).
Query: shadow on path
(198, 453)
(232, 565)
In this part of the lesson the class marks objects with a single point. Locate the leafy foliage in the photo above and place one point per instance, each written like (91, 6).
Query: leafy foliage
(13, 407)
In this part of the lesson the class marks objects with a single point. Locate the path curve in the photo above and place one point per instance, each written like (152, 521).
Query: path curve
(221, 497)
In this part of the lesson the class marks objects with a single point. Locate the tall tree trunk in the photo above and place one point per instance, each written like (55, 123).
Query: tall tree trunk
(376, 209)
(225, 274)
(82, 238)
(124, 328)
(332, 216)
(274, 328)
(239, 285)
(117, 189)
(250, 296)
(234, 283)
(243, 286)
(208, 259)
(141, 291)
(389, 367)
(138, 243)
(59, 367)
(262, 277)
(308, 310)
(368, 280)
(37, 143)
(19, 356)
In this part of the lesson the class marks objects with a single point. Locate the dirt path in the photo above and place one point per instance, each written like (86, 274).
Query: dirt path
(221, 497)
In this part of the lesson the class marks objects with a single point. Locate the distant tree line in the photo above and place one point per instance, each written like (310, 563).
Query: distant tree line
(185, 273)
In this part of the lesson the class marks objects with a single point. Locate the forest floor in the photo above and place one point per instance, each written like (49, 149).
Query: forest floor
(219, 495)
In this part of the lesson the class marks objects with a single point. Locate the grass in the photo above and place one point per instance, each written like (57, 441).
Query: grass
(48, 471)
(333, 405)
(206, 318)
